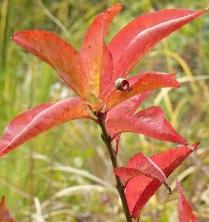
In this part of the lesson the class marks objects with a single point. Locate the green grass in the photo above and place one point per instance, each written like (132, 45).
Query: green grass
(31, 175)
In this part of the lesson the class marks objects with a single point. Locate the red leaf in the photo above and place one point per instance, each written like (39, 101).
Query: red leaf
(126, 173)
(139, 36)
(141, 188)
(138, 165)
(139, 84)
(184, 207)
(56, 52)
(96, 58)
(150, 122)
(127, 107)
(4, 212)
(41, 118)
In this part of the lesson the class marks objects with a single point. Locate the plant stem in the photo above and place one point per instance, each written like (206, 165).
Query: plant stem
(107, 140)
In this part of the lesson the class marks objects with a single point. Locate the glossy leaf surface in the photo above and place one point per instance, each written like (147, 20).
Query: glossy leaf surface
(150, 122)
(41, 118)
(138, 165)
(125, 108)
(57, 53)
(96, 58)
(4, 212)
(143, 82)
(184, 207)
(140, 189)
(135, 39)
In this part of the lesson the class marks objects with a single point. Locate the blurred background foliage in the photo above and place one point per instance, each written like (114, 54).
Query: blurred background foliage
(65, 174)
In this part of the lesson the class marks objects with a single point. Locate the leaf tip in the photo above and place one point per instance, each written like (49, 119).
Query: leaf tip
(173, 76)
(118, 5)
(196, 145)
(16, 37)
(13, 36)
(2, 203)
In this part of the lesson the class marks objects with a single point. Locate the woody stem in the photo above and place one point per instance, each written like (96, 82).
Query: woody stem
(107, 140)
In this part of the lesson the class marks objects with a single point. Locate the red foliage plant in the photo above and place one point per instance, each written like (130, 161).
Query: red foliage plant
(97, 73)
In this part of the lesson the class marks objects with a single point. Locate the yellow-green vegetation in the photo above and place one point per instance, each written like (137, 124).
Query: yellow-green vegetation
(65, 175)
